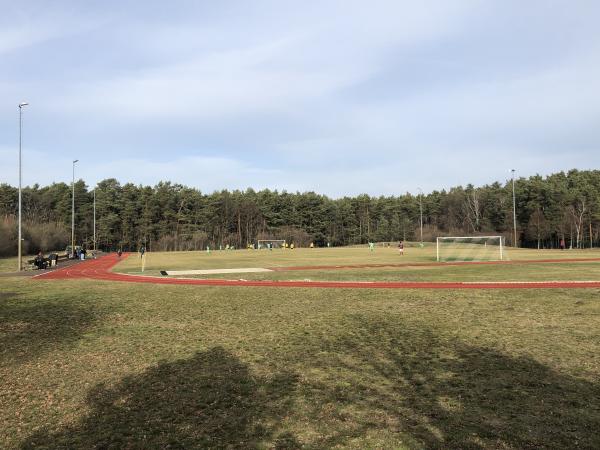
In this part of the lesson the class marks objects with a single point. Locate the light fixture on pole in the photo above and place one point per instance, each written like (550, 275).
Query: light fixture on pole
(421, 210)
(19, 256)
(73, 211)
(514, 208)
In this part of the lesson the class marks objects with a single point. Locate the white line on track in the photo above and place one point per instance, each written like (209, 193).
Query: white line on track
(528, 282)
(218, 271)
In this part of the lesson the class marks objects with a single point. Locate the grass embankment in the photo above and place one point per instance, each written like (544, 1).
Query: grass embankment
(10, 264)
(356, 256)
(89, 364)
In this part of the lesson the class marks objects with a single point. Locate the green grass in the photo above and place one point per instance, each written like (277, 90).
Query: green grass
(529, 272)
(9, 264)
(92, 364)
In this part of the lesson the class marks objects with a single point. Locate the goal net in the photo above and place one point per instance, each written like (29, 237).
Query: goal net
(270, 243)
(470, 248)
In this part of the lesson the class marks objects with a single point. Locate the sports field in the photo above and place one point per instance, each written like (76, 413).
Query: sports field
(362, 265)
(93, 363)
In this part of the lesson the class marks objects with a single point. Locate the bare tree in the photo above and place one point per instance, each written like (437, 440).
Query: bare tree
(537, 228)
(577, 212)
(473, 208)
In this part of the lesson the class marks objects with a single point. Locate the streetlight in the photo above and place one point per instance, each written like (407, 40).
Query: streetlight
(421, 209)
(514, 208)
(73, 212)
(21, 105)
(94, 219)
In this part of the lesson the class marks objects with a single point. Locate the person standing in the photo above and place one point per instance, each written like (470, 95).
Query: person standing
(401, 248)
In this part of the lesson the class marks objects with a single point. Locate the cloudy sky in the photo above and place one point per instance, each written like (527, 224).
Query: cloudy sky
(339, 97)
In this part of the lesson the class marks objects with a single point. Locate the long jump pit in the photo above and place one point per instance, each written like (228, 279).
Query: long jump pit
(100, 269)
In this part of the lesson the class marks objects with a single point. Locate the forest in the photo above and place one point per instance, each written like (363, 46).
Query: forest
(169, 216)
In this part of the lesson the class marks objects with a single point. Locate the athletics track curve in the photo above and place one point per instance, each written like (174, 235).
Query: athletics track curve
(100, 269)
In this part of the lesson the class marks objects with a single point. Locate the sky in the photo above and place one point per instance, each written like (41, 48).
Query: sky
(337, 97)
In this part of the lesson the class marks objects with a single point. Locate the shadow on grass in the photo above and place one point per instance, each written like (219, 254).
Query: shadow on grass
(446, 394)
(34, 327)
(377, 380)
(208, 401)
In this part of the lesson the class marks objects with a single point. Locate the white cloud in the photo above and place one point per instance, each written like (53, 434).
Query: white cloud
(233, 82)
(30, 29)
(205, 173)
(17, 37)
(262, 66)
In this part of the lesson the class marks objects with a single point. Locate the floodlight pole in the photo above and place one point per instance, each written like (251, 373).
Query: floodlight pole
(73, 211)
(514, 208)
(94, 219)
(421, 210)
(19, 256)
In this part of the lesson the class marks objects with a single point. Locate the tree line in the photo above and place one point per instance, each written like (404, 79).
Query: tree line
(175, 217)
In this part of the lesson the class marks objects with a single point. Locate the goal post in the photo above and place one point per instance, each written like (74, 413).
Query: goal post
(470, 248)
(270, 243)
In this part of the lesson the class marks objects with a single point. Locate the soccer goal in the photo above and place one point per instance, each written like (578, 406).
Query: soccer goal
(270, 243)
(470, 248)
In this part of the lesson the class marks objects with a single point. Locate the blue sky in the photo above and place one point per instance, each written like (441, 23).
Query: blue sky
(339, 97)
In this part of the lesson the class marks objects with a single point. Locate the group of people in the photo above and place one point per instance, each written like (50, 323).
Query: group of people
(400, 246)
(40, 262)
(78, 252)
(142, 251)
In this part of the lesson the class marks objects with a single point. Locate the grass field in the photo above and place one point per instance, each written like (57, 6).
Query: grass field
(9, 264)
(94, 364)
(155, 262)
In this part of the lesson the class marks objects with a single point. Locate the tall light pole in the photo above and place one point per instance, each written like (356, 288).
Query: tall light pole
(73, 211)
(421, 209)
(94, 219)
(514, 208)
(19, 262)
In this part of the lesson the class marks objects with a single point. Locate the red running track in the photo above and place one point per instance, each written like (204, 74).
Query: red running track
(100, 269)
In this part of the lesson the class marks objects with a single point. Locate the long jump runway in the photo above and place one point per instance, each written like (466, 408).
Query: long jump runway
(100, 269)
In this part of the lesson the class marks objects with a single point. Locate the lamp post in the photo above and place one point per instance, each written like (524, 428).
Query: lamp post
(421, 210)
(73, 211)
(94, 219)
(19, 256)
(514, 208)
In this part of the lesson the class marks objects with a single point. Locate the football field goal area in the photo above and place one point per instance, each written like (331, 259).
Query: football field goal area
(470, 248)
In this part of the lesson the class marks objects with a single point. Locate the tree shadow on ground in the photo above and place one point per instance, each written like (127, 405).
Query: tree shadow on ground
(32, 328)
(447, 394)
(208, 401)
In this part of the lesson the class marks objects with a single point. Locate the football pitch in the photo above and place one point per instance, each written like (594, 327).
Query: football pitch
(355, 267)
(96, 363)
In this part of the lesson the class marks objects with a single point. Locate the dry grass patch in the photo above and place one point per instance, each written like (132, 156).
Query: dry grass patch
(89, 364)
